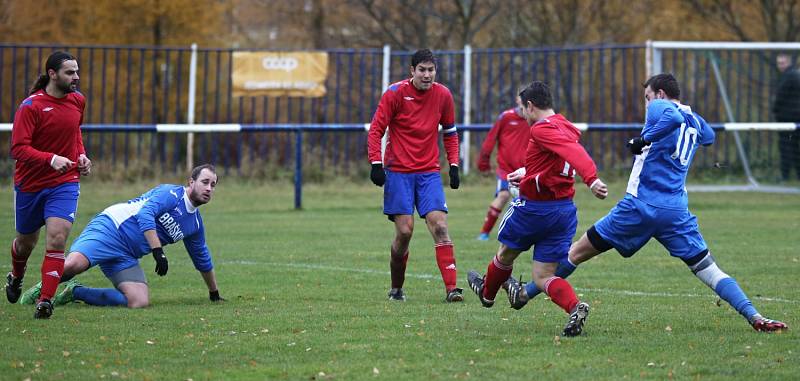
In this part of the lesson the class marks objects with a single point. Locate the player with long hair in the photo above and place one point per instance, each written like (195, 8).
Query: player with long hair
(50, 158)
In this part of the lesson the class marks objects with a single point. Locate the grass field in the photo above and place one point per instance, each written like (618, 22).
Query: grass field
(306, 300)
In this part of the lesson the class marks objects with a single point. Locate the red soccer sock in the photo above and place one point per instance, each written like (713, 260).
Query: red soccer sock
(52, 268)
(445, 258)
(490, 220)
(561, 293)
(496, 274)
(18, 264)
(397, 265)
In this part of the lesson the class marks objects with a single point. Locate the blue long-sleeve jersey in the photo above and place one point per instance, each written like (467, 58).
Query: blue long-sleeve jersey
(167, 209)
(659, 173)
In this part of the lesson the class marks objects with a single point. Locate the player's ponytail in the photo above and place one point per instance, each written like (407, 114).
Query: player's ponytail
(41, 83)
(53, 62)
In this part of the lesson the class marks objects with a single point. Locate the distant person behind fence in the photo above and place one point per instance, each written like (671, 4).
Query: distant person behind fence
(48, 148)
(786, 108)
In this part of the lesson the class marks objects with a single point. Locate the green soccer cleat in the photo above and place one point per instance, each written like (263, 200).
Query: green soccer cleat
(65, 296)
(31, 295)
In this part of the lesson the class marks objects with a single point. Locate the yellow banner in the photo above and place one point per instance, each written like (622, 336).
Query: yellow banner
(275, 74)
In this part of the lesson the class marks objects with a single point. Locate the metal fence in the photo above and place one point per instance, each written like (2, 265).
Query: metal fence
(128, 87)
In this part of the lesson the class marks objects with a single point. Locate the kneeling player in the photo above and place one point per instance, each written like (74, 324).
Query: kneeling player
(117, 237)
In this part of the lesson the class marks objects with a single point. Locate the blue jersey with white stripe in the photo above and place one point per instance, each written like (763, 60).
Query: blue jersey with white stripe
(167, 209)
(659, 173)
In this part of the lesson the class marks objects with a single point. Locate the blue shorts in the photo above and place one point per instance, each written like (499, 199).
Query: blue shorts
(549, 226)
(502, 185)
(33, 208)
(633, 222)
(404, 191)
(101, 243)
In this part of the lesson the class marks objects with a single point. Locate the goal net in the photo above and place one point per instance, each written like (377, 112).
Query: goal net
(733, 86)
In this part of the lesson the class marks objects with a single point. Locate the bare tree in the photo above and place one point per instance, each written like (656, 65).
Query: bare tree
(754, 20)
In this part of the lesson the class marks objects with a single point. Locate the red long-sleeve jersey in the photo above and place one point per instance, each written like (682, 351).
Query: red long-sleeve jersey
(511, 133)
(413, 117)
(45, 126)
(553, 156)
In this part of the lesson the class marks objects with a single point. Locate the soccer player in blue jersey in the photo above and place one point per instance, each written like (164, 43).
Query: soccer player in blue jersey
(116, 238)
(656, 204)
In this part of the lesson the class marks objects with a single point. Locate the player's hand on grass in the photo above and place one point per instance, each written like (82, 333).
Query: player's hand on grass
(454, 180)
(637, 144)
(162, 265)
(84, 165)
(214, 296)
(61, 163)
(514, 178)
(377, 175)
(599, 189)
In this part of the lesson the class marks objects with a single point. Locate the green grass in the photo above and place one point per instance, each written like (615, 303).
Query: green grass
(306, 297)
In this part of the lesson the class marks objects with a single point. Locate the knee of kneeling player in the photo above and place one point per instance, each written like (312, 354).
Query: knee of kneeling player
(138, 303)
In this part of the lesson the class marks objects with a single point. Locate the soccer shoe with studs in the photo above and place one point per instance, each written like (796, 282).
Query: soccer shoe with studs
(763, 324)
(515, 290)
(65, 296)
(13, 288)
(483, 237)
(475, 281)
(397, 294)
(454, 295)
(31, 295)
(44, 309)
(577, 318)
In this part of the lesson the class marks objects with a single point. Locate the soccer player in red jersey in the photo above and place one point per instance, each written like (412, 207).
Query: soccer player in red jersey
(510, 133)
(412, 110)
(47, 146)
(544, 216)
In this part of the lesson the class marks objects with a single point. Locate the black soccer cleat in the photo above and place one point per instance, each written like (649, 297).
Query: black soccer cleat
(454, 295)
(44, 309)
(475, 281)
(577, 318)
(13, 288)
(762, 324)
(515, 290)
(397, 294)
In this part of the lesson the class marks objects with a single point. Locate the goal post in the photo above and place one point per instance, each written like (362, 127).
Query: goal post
(734, 82)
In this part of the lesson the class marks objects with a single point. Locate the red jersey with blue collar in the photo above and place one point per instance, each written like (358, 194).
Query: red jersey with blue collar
(553, 156)
(413, 117)
(511, 133)
(45, 126)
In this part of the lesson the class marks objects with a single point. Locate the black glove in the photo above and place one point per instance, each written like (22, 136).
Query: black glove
(377, 175)
(161, 261)
(636, 144)
(214, 296)
(454, 180)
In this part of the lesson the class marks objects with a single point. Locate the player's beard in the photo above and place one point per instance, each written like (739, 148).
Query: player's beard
(196, 198)
(67, 86)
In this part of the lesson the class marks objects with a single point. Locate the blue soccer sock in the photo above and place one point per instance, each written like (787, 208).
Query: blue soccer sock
(730, 291)
(100, 296)
(564, 270)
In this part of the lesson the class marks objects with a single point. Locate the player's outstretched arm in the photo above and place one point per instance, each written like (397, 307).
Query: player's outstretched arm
(211, 281)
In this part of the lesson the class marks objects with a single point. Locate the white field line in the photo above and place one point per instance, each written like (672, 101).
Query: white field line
(307, 266)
